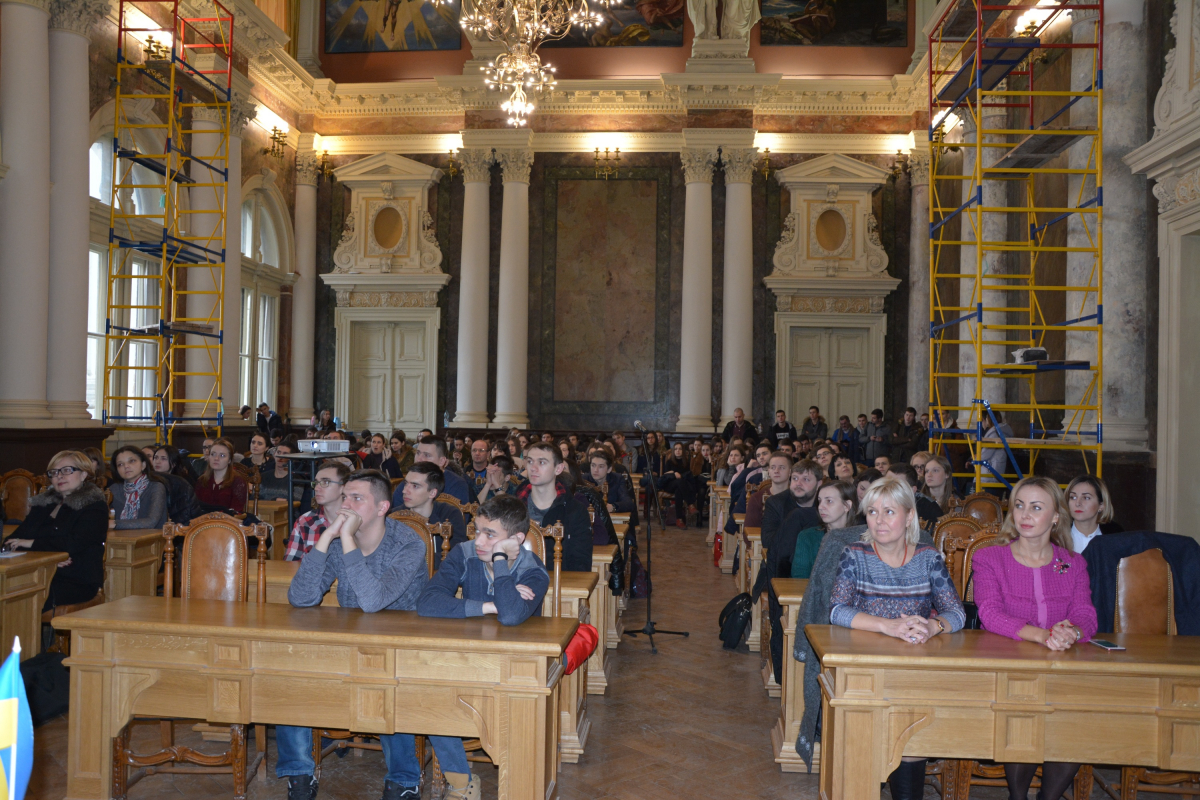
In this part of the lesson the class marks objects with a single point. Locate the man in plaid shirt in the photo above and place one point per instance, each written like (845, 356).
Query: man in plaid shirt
(327, 491)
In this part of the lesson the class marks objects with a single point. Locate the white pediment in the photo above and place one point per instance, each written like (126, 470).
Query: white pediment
(832, 168)
(386, 167)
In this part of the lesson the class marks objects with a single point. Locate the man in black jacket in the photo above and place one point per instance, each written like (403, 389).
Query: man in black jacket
(782, 430)
(740, 428)
(548, 503)
(269, 422)
(600, 473)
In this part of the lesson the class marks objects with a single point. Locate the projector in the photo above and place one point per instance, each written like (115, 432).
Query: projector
(324, 446)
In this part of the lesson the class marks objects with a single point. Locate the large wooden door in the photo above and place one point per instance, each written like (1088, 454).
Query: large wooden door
(828, 369)
(387, 375)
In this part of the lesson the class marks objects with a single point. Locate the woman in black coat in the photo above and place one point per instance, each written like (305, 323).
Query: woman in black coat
(70, 516)
(181, 498)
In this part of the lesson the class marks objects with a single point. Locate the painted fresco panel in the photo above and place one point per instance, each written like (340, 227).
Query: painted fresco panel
(847, 23)
(381, 26)
(644, 23)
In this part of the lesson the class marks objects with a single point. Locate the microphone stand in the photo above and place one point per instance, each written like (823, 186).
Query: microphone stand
(649, 629)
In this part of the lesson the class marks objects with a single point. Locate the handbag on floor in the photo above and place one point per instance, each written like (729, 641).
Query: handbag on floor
(734, 621)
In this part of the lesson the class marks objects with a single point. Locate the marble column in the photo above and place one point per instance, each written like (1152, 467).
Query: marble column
(66, 332)
(1127, 226)
(242, 111)
(304, 290)
(994, 229)
(918, 277)
(737, 342)
(205, 204)
(512, 316)
(24, 211)
(695, 330)
(471, 407)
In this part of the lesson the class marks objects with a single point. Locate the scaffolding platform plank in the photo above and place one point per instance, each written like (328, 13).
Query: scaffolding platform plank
(1037, 148)
(189, 80)
(998, 58)
(1039, 366)
(150, 163)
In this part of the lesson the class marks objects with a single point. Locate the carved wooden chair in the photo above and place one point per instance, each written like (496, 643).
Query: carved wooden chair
(358, 742)
(984, 507)
(214, 565)
(253, 478)
(952, 536)
(1146, 604)
(959, 775)
(17, 488)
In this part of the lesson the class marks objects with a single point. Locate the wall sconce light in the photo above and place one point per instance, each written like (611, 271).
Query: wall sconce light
(451, 165)
(278, 140)
(324, 168)
(611, 164)
(764, 162)
(900, 165)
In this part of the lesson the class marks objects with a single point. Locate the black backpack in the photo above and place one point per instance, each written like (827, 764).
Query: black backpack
(734, 621)
(47, 685)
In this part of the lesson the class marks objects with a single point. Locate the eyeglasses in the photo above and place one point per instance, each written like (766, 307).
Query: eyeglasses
(325, 482)
(65, 471)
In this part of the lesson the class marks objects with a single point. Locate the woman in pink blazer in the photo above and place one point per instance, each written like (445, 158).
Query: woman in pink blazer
(1036, 590)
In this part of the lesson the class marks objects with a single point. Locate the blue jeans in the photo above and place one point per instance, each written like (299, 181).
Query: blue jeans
(294, 754)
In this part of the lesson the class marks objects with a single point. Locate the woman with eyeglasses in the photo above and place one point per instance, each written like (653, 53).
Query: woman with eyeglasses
(68, 516)
(140, 499)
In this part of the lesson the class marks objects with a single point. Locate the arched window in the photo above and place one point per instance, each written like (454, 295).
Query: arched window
(267, 262)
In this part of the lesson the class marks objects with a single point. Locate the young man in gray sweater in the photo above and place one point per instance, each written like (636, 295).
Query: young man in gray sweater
(378, 563)
(497, 576)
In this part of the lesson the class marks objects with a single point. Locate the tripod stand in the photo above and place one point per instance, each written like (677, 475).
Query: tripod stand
(648, 629)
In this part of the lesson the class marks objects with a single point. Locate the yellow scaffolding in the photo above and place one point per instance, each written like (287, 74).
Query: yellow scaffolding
(1013, 132)
(164, 330)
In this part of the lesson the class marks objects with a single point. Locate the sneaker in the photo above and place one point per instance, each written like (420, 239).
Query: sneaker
(472, 792)
(396, 791)
(302, 787)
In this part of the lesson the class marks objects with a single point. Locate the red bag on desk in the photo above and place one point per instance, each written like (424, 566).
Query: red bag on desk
(581, 646)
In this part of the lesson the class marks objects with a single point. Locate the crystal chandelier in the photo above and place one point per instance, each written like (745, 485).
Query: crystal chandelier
(522, 26)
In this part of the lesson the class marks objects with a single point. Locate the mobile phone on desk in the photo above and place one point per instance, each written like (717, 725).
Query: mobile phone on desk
(1107, 645)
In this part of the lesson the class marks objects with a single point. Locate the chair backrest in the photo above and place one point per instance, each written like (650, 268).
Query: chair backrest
(1145, 594)
(952, 537)
(253, 478)
(984, 507)
(17, 488)
(536, 541)
(396, 484)
(426, 530)
(449, 500)
(213, 564)
(987, 540)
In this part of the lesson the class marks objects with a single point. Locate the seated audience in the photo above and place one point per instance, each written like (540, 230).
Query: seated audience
(862, 482)
(219, 488)
(548, 500)
(740, 428)
(675, 467)
(274, 485)
(843, 468)
(599, 473)
(621, 454)
(1036, 590)
(181, 498)
(140, 497)
(844, 436)
(571, 460)
(927, 510)
(325, 423)
(378, 563)
(782, 429)
(501, 478)
(433, 450)
(99, 466)
(823, 455)
(376, 452)
(882, 463)
(268, 421)
(837, 505)
(476, 473)
(1091, 511)
(496, 575)
(68, 516)
(918, 461)
(735, 459)
(815, 428)
(939, 484)
(327, 493)
(892, 584)
(258, 455)
(422, 485)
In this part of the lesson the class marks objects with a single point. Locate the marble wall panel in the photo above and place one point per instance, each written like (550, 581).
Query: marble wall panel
(604, 290)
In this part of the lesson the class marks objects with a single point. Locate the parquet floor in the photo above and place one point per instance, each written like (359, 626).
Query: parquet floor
(691, 722)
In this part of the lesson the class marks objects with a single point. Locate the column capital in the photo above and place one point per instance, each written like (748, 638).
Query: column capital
(476, 164)
(516, 164)
(307, 169)
(76, 16)
(739, 163)
(242, 109)
(918, 169)
(698, 164)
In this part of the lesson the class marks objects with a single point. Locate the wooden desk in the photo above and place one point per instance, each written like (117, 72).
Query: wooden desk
(729, 545)
(9, 530)
(976, 695)
(620, 517)
(623, 598)
(604, 617)
(131, 563)
(750, 567)
(574, 724)
(279, 578)
(790, 592)
(716, 501)
(370, 673)
(24, 584)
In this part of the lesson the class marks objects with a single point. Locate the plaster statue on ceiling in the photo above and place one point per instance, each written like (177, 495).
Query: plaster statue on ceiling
(735, 23)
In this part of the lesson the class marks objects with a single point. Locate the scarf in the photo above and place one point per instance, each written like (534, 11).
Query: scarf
(133, 496)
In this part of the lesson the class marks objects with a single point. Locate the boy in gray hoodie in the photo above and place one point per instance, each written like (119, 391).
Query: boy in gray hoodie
(378, 563)
(497, 576)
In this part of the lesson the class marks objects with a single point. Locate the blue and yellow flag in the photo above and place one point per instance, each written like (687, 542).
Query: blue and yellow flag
(16, 729)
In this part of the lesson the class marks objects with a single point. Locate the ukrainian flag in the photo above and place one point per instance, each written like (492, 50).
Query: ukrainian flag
(16, 729)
